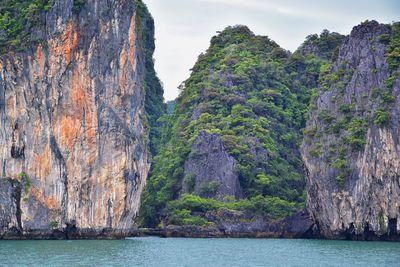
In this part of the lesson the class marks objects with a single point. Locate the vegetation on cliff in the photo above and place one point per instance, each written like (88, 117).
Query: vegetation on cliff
(248, 90)
(344, 122)
(22, 22)
(17, 18)
(154, 104)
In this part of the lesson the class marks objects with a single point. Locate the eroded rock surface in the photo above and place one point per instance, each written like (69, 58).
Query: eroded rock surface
(211, 168)
(72, 119)
(10, 216)
(352, 156)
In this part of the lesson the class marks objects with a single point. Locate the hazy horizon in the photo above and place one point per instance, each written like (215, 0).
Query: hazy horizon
(184, 27)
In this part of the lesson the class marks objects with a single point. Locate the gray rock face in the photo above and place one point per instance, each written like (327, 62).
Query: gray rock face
(210, 170)
(10, 219)
(364, 156)
(72, 119)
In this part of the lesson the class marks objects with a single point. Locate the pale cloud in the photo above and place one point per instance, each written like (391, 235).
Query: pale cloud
(184, 27)
(266, 6)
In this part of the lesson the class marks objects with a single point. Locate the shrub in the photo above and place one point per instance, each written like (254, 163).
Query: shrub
(339, 164)
(326, 115)
(340, 181)
(25, 181)
(78, 4)
(262, 179)
(357, 130)
(356, 143)
(345, 108)
(184, 217)
(265, 206)
(384, 38)
(194, 203)
(388, 98)
(208, 189)
(310, 131)
(381, 118)
(390, 81)
(190, 182)
(375, 92)
(315, 152)
(53, 224)
(342, 169)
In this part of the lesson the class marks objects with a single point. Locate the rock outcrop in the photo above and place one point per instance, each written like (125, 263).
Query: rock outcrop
(10, 193)
(239, 225)
(351, 149)
(72, 127)
(210, 170)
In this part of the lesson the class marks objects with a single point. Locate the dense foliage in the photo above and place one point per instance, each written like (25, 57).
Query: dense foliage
(154, 105)
(17, 19)
(186, 210)
(393, 51)
(170, 106)
(324, 46)
(22, 22)
(246, 89)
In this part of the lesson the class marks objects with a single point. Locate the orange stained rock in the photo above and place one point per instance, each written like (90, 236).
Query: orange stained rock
(48, 202)
(122, 71)
(70, 39)
(81, 101)
(37, 129)
(90, 133)
(54, 53)
(69, 130)
(91, 158)
(104, 29)
(78, 94)
(40, 59)
(91, 50)
(11, 112)
(10, 102)
(132, 42)
(43, 163)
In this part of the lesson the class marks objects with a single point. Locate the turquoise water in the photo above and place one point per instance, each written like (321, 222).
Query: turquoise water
(153, 251)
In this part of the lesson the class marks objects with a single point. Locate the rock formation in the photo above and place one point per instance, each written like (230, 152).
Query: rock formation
(73, 143)
(211, 168)
(351, 148)
(233, 137)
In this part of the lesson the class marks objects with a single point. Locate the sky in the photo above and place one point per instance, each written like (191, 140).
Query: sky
(184, 27)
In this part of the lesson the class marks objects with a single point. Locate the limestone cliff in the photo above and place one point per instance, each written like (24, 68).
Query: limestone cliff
(351, 148)
(73, 135)
(232, 140)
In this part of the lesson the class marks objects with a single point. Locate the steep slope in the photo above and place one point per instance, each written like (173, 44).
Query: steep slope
(73, 137)
(351, 148)
(232, 141)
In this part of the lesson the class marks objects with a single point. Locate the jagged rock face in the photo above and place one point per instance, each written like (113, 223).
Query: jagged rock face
(323, 46)
(368, 201)
(72, 118)
(211, 168)
(9, 206)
